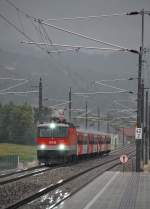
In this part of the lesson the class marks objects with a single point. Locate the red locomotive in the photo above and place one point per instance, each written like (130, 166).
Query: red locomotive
(61, 142)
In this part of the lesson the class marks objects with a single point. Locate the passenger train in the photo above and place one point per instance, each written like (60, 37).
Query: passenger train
(61, 142)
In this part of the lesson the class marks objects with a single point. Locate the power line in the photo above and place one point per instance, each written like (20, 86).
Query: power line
(85, 17)
(39, 20)
(102, 92)
(79, 35)
(18, 9)
(14, 26)
(16, 85)
(14, 79)
(77, 47)
(17, 29)
(18, 92)
(117, 79)
(107, 85)
(67, 18)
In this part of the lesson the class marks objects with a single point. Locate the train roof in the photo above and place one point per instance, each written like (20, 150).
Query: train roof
(79, 130)
(84, 131)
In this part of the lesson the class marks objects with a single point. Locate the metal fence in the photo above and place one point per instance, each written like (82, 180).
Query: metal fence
(9, 162)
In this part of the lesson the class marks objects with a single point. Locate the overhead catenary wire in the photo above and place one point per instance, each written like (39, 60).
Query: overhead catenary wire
(19, 9)
(80, 35)
(40, 20)
(124, 106)
(60, 51)
(85, 17)
(116, 79)
(33, 18)
(17, 29)
(107, 85)
(14, 86)
(67, 18)
(20, 20)
(21, 32)
(77, 47)
(46, 50)
(37, 31)
(56, 100)
(18, 92)
(14, 79)
(42, 35)
(99, 92)
(47, 37)
(60, 104)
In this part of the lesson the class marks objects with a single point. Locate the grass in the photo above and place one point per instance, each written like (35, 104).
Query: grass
(25, 152)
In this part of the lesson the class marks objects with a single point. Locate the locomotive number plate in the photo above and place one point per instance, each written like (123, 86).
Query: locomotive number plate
(52, 142)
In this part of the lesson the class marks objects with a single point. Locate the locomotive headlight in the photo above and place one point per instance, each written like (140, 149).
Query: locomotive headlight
(61, 146)
(52, 125)
(42, 146)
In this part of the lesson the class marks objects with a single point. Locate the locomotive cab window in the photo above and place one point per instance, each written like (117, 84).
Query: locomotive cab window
(58, 131)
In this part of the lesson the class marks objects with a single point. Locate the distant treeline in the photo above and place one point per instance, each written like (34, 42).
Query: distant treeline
(18, 123)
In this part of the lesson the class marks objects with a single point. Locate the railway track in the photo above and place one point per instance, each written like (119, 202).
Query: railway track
(105, 166)
(10, 173)
(15, 176)
(27, 173)
(18, 171)
(88, 182)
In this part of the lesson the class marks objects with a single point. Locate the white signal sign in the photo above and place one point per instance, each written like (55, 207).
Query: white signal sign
(138, 133)
(123, 159)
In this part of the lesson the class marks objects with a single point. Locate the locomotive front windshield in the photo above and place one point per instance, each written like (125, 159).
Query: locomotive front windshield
(58, 131)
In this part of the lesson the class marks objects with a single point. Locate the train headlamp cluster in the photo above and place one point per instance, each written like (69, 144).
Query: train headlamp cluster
(42, 146)
(61, 146)
(52, 125)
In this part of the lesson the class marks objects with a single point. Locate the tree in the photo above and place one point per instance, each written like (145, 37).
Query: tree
(17, 124)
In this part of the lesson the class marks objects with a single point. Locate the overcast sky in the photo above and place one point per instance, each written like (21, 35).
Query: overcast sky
(122, 30)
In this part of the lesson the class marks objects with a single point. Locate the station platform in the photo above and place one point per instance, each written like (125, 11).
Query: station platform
(113, 190)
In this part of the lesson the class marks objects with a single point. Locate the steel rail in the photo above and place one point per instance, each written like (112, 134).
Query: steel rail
(85, 184)
(27, 175)
(51, 168)
(38, 172)
(61, 183)
(19, 171)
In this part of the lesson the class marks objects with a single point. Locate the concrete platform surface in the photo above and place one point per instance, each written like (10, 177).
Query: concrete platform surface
(113, 190)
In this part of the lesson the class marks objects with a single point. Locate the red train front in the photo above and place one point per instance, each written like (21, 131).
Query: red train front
(61, 142)
(55, 142)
